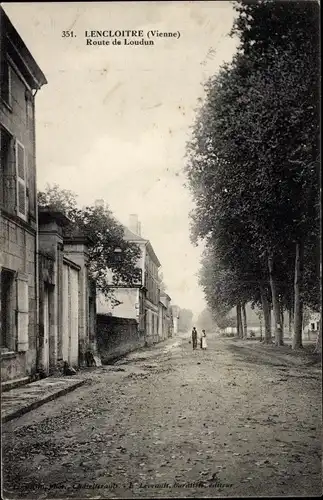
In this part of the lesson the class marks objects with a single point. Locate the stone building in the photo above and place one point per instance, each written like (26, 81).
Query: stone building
(21, 78)
(165, 324)
(67, 315)
(175, 315)
(140, 301)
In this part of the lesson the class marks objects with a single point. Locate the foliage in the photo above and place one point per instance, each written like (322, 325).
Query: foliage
(105, 236)
(161, 283)
(210, 320)
(185, 320)
(252, 162)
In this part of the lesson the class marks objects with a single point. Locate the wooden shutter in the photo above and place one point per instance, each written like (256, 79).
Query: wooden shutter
(5, 80)
(21, 181)
(22, 312)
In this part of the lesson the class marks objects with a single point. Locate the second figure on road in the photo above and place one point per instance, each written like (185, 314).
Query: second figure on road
(203, 340)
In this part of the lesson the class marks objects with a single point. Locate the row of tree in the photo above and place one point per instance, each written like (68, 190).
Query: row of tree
(253, 169)
(205, 321)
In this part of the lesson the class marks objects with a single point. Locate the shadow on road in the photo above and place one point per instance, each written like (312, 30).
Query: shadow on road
(271, 356)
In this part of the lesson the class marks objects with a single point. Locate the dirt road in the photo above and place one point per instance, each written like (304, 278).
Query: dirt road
(170, 422)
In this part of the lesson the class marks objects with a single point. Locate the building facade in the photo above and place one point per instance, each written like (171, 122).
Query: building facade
(175, 316)
(67, 326)
(312, 326)
(21, 78)
(165, 325)
(140, 301)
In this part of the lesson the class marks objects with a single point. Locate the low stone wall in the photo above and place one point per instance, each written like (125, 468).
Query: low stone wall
(117, 336)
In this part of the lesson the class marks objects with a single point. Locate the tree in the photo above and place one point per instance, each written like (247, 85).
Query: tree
(253, 160)
(245, 321)
(161, 283)
(205, 321)
(108, 250)
(185, 320)
(288, 34)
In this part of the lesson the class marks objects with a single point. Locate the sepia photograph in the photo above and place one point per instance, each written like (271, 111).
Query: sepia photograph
(160, 249)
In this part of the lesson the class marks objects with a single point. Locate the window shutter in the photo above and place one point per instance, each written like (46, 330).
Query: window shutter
(21, 181)
(22, 312)
(5, 80)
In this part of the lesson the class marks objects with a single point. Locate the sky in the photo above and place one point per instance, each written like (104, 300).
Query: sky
(113, 121)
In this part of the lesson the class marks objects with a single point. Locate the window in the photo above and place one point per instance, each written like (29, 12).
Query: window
(14, 311)
(7, 172)
(7, 309)
(22, 312)
(29, 111)
(21, 181)
(6, 82)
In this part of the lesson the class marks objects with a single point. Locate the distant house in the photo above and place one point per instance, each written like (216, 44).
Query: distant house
(165, 325)
(21, 78)
(312, 326)
(139, 301)
(175, 316)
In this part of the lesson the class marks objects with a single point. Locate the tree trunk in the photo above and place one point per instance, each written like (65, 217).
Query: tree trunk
(275, 302)
(298, 304)
(245, 324)
(260, 327)
(282, 318)
(318, 346)
(290, 322)
(266, 312)
(239, 321)
(292, 319)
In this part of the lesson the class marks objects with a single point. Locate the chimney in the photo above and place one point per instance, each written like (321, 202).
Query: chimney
(134, 224)
(99, 203)
(139, 228)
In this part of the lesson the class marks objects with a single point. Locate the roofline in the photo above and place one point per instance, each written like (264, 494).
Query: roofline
(71, 263)
(17, 44)
(152, 253)
(47, 215)
(140, 239)
(78, 239)
(137, 238)
(164, 294)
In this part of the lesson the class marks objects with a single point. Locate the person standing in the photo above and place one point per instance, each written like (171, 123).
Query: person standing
(203, 340)
(194, 338)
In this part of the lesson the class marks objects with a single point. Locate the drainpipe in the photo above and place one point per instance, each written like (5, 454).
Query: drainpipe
(37, 243)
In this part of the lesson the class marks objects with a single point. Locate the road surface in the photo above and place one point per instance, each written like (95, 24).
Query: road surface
(170, 422)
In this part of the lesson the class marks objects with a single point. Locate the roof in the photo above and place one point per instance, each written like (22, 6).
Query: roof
(164, 294)
(31, 70)
(131, 236)
(47, 215)
(152, 253)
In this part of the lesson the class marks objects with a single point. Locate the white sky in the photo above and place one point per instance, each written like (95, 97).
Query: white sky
(113, 121)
